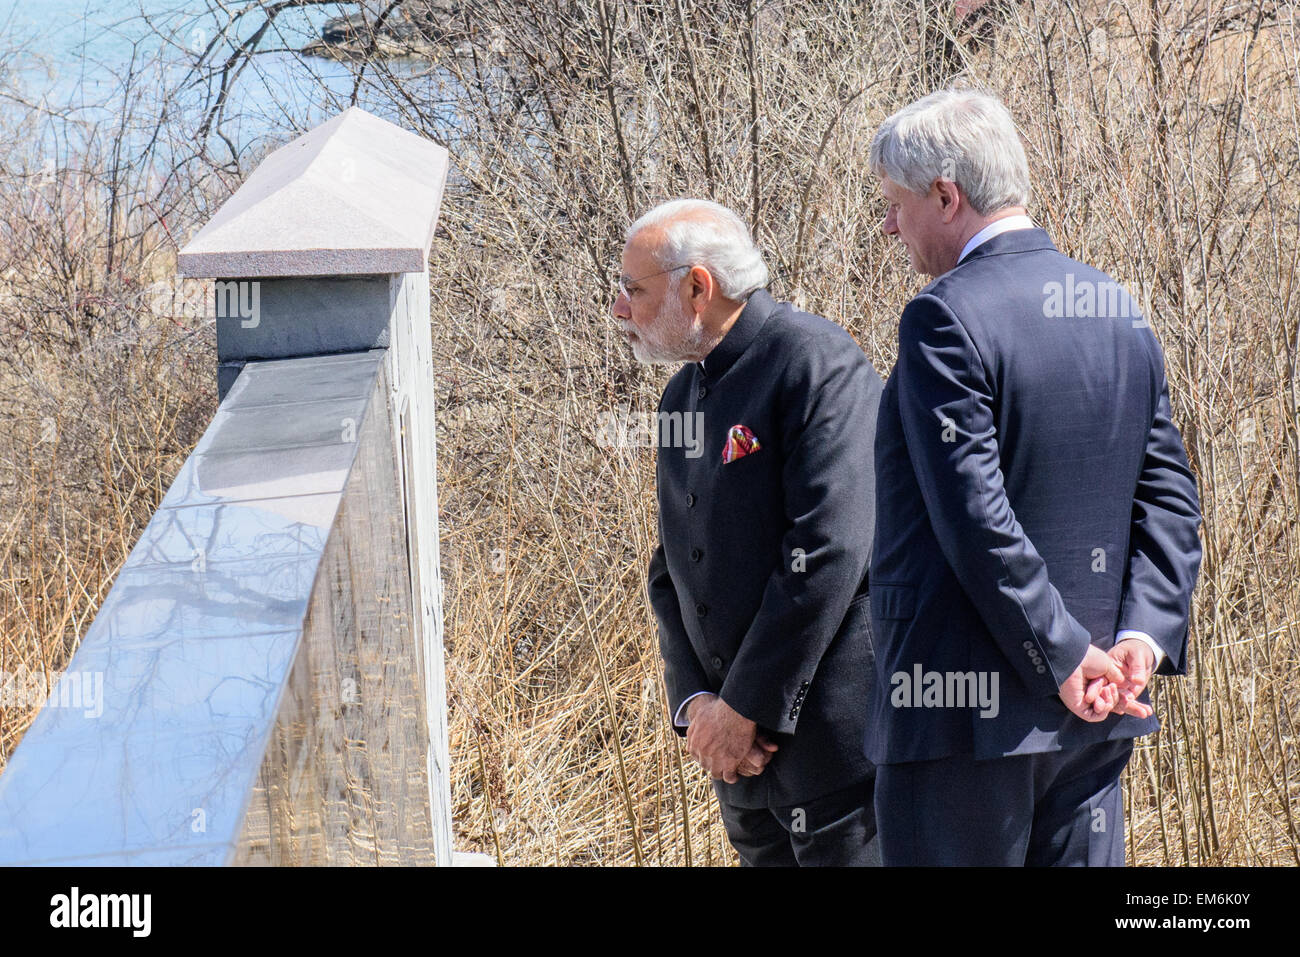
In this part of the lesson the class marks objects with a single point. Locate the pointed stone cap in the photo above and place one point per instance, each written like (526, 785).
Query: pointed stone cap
(356, 195)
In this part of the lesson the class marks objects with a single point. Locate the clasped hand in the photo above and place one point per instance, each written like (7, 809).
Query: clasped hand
(729, 746)
(1107, 683)
(726, 743)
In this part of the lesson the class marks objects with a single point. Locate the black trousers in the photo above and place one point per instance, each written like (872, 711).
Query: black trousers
(1059, 808)
(835, 830)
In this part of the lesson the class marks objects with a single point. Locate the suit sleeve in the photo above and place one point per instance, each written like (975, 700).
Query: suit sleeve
(947, 403)
(683, 676)
(830, 398)
(1164, 553)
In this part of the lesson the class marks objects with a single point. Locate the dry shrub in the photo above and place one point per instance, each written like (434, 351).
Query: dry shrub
(1163, 141)
(1163, 138)
(106, 384)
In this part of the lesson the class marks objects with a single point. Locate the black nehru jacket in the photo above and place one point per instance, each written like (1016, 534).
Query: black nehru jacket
(759, 583)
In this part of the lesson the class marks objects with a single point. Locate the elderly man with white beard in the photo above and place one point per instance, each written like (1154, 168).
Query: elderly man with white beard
(759, 582)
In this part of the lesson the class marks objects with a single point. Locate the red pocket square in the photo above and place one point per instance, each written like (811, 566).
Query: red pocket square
(740, 442)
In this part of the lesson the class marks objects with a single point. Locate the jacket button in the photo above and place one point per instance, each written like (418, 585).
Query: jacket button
(701, 609)
(690, 500)
(702, 392)
(1041, 669)
(716, 662)
(696, 554)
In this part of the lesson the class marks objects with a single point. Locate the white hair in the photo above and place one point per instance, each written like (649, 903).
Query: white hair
(961, 135)
(697, 232)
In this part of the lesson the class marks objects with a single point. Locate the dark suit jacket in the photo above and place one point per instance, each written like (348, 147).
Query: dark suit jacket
(1033, 496)
(759, 582)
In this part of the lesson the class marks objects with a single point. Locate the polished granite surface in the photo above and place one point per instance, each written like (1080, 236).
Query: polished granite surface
(195, 644)
(345, 779)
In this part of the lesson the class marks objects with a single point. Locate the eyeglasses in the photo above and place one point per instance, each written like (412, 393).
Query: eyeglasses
(624, 282)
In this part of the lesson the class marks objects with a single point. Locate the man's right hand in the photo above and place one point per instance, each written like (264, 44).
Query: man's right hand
(1093, 700)
(699, 701)
(760, 753)
(1137, 661)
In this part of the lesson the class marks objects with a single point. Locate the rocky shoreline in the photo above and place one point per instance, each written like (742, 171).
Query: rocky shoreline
(409, 31)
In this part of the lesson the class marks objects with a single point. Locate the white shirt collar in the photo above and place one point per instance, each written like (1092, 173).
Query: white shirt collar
(996, 228)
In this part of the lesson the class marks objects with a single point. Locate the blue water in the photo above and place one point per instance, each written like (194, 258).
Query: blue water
(75, 57)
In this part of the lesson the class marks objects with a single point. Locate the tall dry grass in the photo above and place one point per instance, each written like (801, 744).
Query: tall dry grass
(1164, 138)
(1164, 143)
(102, 394)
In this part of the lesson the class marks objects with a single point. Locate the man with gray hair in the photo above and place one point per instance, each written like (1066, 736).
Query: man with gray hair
(759, 582)
(1037, 518)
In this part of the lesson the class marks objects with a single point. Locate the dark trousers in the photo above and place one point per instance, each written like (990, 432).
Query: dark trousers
(1059, 808)
(835, 830)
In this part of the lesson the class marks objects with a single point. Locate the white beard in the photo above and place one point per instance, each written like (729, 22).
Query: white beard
(674, 336)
